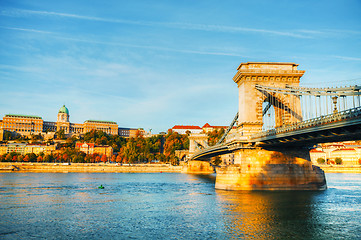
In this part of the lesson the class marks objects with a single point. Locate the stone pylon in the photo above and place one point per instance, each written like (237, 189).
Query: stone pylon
(257, 168)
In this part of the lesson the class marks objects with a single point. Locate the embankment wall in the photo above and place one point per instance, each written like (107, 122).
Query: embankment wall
(86, 167)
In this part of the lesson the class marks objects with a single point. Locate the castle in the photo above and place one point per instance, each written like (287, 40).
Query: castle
(29, 124)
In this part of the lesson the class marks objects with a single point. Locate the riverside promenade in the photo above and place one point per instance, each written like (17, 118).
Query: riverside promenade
(88, 167)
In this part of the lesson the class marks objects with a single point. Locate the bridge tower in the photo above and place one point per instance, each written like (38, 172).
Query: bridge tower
(287, 108)
(258, 167)
(198, 141)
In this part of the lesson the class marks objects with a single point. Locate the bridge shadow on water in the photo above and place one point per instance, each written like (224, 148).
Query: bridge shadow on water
(270, 214)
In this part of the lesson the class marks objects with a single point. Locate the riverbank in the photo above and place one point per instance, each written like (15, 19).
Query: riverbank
(87, 167)
(134, 168)
(340, 169)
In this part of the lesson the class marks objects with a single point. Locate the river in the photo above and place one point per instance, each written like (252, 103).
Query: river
(171, 206)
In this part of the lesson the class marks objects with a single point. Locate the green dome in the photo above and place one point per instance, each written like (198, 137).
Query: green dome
(63, 109)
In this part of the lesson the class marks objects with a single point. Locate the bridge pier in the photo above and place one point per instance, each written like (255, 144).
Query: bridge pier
(199, 167)
(277, 169)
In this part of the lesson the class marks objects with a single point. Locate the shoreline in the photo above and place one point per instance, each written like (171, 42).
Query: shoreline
(340, 169)
(87, 168)
(134, 168)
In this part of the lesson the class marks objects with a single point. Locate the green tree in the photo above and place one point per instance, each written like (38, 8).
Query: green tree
(216, 160)
(48, 158)
(32, 157)
(338, 161)
(321, 160)
(20, 158)
(60, 134)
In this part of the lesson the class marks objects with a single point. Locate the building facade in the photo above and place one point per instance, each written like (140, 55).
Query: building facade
(91, 148)
(22, 124)
(349, 152)
(27, 125)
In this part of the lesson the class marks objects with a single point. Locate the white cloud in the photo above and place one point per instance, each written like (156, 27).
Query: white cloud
(303, 33)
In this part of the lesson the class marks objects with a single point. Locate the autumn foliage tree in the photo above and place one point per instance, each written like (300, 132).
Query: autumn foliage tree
(215, 136)
(104, 158)
(174, 141)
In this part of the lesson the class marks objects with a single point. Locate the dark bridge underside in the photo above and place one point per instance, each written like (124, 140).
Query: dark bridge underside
(213, 151)
(332, 132)
(307, 137)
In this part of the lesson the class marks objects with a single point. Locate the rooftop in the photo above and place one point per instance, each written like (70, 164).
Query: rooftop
(100, 121)
(22, 116)
(186, 127)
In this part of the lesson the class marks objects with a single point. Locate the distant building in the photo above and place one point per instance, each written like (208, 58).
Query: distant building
(349, 152)
(24, 148)
(208, 128)
(22, 124)
(91, 148)
(27, 125)
(181, 129)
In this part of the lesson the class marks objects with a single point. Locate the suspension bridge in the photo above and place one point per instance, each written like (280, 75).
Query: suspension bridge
(277, 122)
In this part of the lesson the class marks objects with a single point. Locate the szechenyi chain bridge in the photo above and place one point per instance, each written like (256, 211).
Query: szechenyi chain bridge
(277, 122)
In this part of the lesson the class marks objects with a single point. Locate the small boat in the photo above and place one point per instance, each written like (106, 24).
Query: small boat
(101, 187)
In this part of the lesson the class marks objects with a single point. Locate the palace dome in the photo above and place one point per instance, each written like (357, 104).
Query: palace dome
(64, 109)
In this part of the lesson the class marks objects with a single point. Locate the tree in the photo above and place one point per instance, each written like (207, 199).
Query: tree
(216, 160)
(118, 159)
(26, 158)
(40, 159)
(104, 158)
(60, 134)
(48, 158)
(338, 161)
(8, 157)
(173, 142)
(215, 136)
(20, 158)
(32, 157)
(320, 160)
(65, 157)
(113, 158)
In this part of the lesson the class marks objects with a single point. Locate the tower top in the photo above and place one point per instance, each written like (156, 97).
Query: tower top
(257, 71)
(268, 65)
(64, 109)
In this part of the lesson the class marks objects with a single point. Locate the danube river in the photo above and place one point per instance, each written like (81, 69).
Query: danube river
(171, 206)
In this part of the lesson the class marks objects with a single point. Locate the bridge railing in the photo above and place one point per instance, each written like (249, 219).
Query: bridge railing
(336, 117)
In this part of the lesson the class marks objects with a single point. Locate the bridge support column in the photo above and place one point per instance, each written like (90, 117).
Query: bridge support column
(281, 169)
(199, 167)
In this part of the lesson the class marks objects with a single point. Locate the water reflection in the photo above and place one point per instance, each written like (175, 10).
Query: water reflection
(269, 215)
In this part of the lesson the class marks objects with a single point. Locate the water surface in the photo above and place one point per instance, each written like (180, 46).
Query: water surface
(171, 206)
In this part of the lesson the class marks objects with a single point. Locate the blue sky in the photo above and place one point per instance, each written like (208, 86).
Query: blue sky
(155, 64)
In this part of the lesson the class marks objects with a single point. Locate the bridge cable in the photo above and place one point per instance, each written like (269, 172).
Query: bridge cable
(228, 129)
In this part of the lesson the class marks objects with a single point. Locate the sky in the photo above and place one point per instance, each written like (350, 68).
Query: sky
(156, 64)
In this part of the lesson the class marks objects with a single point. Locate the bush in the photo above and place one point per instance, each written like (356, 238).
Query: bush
(320, 160)
(338, 160)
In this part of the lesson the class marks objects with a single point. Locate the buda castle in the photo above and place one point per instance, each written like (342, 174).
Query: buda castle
(27, 125)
